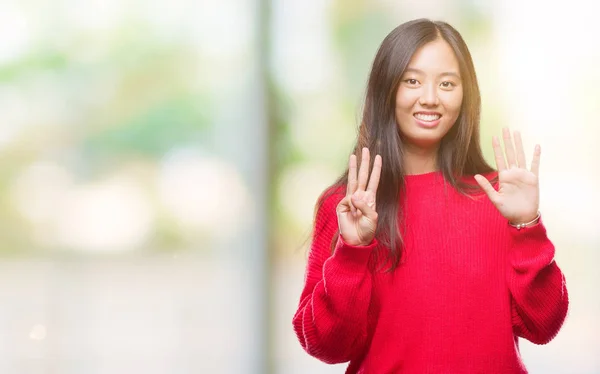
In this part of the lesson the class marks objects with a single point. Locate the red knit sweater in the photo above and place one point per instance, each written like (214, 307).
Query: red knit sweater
(468, 286)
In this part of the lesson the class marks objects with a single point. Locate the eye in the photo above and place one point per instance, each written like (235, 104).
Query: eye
(411, 82)
(447, 84)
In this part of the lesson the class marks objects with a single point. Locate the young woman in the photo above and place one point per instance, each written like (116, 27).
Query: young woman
(418, 263)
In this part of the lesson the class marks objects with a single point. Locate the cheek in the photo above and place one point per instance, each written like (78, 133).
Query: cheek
(405, 100)
(453, 103)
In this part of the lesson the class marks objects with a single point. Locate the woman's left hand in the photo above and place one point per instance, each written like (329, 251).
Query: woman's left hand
(518, 195)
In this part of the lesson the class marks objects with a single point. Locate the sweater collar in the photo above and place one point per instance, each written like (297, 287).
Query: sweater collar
(424, 179)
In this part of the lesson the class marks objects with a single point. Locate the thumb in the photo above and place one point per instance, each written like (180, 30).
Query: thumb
(486, 186)
(364, 208)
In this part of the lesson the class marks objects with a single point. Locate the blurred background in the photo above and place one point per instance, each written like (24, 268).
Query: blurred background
(160, 162)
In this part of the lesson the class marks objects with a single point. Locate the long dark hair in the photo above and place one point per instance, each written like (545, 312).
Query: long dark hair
(459, 153)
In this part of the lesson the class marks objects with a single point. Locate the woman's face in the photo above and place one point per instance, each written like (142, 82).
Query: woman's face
(430, 94)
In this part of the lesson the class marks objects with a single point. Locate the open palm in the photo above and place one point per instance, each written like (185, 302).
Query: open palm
(517, 197)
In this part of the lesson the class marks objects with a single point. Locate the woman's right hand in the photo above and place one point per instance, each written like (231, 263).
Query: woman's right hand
(357, 217)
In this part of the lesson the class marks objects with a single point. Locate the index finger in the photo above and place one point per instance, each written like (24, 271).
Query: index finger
(363, 171)
(509, 148)
(535, 163)
(352, 179)
(375, 174)
(498, 154)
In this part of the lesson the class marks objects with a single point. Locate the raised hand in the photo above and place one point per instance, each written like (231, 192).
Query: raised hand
(517, 198)
(357, 217)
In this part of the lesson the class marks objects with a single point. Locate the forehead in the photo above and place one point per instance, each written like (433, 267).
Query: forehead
(434, 57)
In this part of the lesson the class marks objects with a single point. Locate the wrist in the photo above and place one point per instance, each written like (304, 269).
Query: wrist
(526, 222)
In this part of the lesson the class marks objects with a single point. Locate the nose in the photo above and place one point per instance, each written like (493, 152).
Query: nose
(429, 96)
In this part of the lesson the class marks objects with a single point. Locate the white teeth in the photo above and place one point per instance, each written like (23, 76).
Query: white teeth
(427, 117)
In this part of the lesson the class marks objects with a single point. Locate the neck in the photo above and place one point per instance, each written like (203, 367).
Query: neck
(420, 160)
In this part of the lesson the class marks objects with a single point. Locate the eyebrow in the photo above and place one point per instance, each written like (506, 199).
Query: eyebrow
(413, 70)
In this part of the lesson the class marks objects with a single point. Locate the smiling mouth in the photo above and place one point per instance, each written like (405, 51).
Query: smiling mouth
(427, 117)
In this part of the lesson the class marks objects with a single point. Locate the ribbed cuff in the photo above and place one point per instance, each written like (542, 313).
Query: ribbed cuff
(531, 246)
(351, 254)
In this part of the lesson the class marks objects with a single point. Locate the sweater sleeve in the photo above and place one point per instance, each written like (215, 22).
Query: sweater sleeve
(331, 319)
(538, 290)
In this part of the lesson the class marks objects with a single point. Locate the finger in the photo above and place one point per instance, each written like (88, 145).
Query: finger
(352, 181)
(498, 154)
(375, 175)
(344, 205)
(522, 162)
(363, 172)
(364, 208)
(535, 163)
(487, 187)
(509, 149)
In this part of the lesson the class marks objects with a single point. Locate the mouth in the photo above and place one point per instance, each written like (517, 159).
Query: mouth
(427, 120)
(427, 116)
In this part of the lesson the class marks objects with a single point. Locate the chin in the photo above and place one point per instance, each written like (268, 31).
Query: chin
(425, 138)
